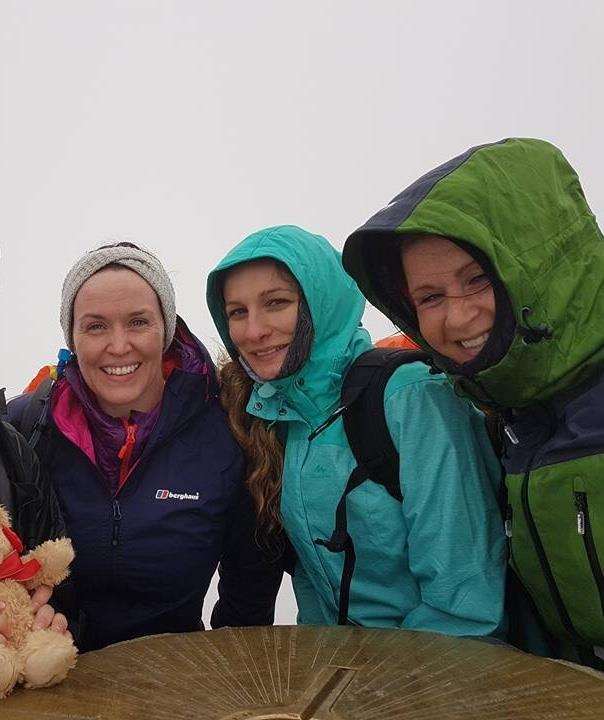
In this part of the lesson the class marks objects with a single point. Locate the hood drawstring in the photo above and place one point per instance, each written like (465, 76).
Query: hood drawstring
(531, 335)
(434, 369)
(330, 420)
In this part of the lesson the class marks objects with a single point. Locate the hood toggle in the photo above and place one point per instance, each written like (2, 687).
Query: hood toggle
(532, 335)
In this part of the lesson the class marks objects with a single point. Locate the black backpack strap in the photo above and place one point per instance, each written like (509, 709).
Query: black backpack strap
(6, 493)
(364, 418)
(3, 406)
(340, 541)
(35, 414)
(362, 408)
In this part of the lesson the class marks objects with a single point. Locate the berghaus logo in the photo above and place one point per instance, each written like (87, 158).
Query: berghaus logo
(169, 495)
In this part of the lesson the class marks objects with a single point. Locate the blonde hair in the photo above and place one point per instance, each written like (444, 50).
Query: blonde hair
(262, 449)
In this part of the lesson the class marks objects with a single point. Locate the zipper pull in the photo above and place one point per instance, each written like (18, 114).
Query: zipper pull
(508, 521)
(580, 505)
(126, 451)
(130, 438)
(117, 516)
(512, 437)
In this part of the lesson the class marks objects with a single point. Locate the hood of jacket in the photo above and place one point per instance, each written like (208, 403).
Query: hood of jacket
(518, 207)
(336, 307)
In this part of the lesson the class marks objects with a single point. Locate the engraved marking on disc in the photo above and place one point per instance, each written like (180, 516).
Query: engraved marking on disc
(316, 703)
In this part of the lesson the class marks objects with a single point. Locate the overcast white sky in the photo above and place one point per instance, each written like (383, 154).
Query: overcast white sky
(185, 125)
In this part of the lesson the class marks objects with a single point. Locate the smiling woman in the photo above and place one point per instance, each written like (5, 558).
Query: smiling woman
(501, 282)
(290, 319)
(452, 296)
(261, 302)
(118, 335)
(147, 473)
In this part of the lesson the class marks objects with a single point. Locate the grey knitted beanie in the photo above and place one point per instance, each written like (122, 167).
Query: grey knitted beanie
(129, 255)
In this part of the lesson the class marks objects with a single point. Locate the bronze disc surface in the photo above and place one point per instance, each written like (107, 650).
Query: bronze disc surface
(312, 673)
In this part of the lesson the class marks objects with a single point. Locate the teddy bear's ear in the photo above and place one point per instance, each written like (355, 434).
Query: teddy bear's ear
(4, 517)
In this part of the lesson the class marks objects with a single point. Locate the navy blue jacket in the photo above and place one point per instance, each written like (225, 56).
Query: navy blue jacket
(145, 556)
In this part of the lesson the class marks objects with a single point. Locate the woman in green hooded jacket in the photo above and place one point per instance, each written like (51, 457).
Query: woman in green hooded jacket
(289, 317)
(494, 263)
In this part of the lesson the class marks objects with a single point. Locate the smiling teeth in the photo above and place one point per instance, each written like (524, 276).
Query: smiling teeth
(475, 342)
(122, 370)
(261, 353)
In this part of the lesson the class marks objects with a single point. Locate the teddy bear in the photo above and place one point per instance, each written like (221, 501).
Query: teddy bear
(36, 658)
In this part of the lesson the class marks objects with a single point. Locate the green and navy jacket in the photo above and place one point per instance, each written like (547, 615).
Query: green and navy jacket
(436, 561)
(517, 206)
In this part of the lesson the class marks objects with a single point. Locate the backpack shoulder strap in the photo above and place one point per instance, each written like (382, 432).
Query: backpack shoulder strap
(6, 495)
(364, 418)
(3, 405)
(362, 410)
(12, 471)
(35, 413)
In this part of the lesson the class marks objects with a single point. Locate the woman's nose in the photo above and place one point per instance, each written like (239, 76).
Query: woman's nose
(257, 328)
(119, 342)
(462, 310)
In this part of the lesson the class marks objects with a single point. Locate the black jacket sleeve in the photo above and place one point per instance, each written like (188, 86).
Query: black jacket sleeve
(35, 511)
(249, 579)
(34, 507)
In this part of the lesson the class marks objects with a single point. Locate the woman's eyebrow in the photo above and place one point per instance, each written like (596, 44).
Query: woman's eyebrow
(263, 294)
(98, 316)
(469, 264)
(89, 316)
(277, 289)
(422, 288)
(460, 271)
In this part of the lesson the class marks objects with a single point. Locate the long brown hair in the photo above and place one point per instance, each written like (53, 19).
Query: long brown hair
(258, 439)
(261, 446)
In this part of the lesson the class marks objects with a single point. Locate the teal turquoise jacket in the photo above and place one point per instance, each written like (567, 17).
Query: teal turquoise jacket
(435, 562)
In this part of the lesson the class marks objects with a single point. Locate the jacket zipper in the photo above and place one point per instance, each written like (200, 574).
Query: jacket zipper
(116, 509)
(544, 563)
(508, 525)
(584, 529)
(117, 518)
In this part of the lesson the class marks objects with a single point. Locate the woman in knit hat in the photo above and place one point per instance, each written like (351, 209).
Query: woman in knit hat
(149, 478)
